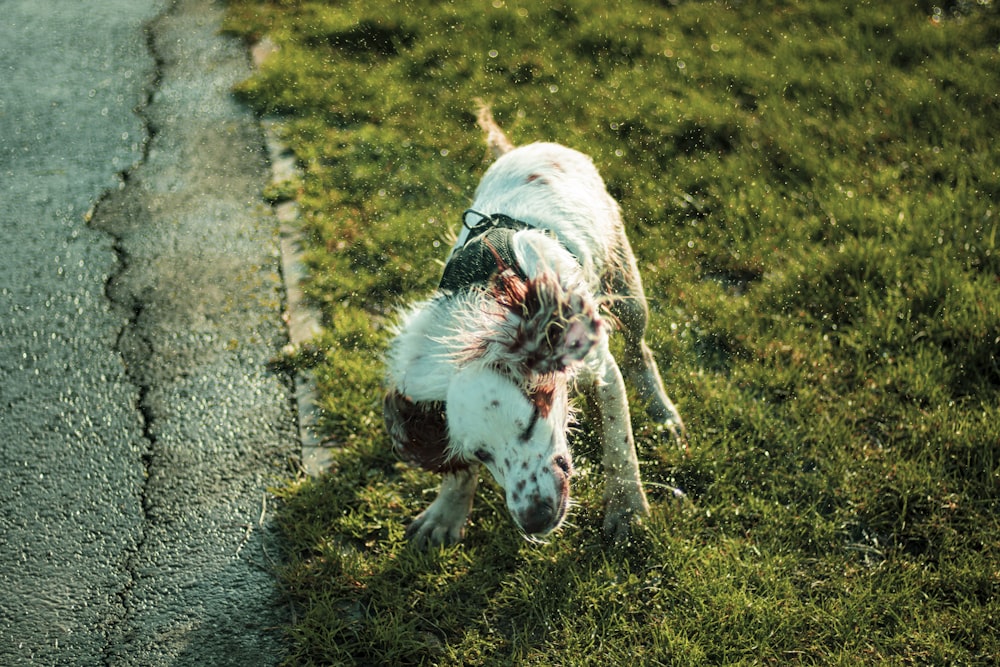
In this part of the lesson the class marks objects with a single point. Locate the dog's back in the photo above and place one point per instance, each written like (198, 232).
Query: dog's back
(550, 187)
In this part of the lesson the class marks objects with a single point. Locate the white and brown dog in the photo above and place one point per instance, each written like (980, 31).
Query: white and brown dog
(480, 373)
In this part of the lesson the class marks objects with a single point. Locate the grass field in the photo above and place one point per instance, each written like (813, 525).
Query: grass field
(812, 190)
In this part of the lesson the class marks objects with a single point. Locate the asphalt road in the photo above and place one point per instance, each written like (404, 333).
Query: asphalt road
(140, 301)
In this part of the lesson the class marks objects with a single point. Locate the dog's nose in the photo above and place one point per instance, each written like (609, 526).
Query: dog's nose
(538, 518)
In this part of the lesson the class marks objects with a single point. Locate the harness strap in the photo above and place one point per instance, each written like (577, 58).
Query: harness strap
(486, 252)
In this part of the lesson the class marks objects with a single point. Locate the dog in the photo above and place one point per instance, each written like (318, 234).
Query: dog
(480, 374)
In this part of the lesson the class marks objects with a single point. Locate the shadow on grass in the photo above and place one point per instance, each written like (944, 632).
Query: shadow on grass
(494, 599)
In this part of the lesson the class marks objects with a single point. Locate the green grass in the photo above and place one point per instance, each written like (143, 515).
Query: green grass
(811, 189)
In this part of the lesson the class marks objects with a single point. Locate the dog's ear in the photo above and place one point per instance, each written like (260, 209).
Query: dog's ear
(544, 392)
(419, 432)
(545, 328)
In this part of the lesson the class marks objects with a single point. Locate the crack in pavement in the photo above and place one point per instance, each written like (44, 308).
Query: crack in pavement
(70, 438)
(133, 309)
(198, 281)
(141, 425)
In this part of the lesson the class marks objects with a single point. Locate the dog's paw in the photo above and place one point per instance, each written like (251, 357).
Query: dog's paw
(436, 528)
(666, 420)
(673, 429)
(623, 515)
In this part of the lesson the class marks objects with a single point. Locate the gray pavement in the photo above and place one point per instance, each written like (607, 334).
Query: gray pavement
(139, 425)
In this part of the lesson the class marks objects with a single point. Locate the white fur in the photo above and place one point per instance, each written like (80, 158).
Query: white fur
(567, 196)
(449, 347)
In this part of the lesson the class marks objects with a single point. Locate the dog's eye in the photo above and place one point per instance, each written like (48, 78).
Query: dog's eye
(563, 464)
(483, 455)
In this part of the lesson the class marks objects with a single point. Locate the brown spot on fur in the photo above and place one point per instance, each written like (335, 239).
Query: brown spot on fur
(509, 289)
(419, 431)
(542, 398)
(548, 328)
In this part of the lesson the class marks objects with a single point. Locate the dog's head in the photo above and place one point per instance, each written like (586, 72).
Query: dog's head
(508, 405)
(519, 437)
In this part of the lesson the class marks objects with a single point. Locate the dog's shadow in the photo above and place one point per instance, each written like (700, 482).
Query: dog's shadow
(496, 590)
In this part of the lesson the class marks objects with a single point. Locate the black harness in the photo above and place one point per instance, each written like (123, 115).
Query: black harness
(486, 252)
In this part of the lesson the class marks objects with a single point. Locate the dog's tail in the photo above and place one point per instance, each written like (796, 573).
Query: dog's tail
(495, 138)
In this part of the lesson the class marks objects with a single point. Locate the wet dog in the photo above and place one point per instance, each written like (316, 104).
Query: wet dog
(480, 374)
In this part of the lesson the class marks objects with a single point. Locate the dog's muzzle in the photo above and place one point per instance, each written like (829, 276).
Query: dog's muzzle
(541, 513)
(540, 518)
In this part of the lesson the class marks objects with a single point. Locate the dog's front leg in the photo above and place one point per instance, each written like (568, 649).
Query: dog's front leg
(443, 522)
(624, 497)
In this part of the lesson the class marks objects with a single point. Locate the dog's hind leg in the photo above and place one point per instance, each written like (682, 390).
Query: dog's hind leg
(443, 522)
(628, 304)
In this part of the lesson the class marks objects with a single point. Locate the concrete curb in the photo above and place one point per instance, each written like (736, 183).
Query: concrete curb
(303, 321)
